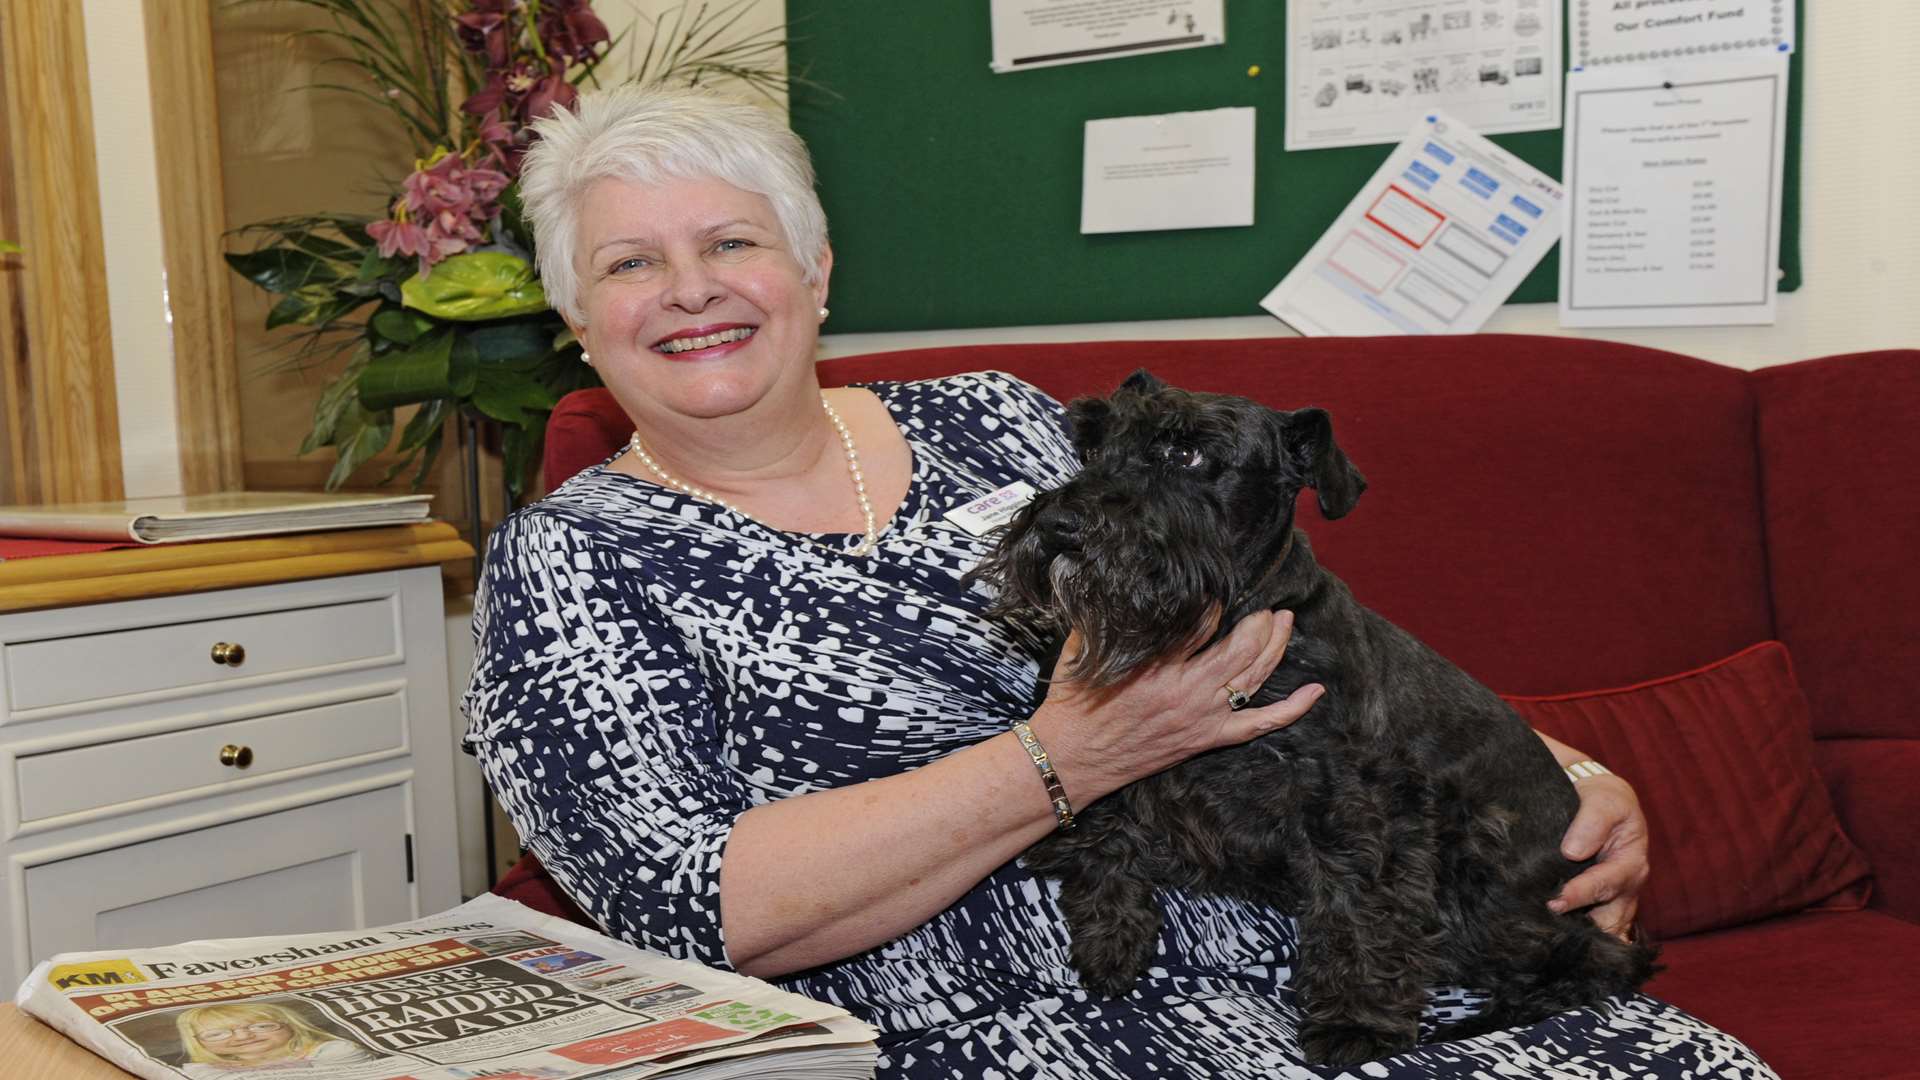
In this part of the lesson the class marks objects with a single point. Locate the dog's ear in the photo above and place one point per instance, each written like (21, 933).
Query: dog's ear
(1306, 436)
(1142, 382)
(1087, 420)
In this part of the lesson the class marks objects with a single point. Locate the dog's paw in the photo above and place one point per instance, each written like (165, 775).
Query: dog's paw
(1109, 972)
(1349, 1044)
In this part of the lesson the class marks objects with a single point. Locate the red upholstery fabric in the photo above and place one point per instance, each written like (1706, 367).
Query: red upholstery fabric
(529, 883)
(1722, 759)
(1876, 786)
(1840, 461)
(1819, 995)
(1614, 537)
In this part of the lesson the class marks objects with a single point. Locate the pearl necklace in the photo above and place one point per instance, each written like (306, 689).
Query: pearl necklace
(865, 546)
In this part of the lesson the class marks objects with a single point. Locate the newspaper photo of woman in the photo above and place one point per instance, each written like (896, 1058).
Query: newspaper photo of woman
(227, 1040)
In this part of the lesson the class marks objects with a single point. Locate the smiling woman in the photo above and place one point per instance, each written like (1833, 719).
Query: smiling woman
(738, 691)
(222, 1040)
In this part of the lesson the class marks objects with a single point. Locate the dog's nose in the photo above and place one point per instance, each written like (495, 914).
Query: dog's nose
(1060, 527)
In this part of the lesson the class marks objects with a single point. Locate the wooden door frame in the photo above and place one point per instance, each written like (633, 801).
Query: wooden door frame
(57, 393)
(58, 399)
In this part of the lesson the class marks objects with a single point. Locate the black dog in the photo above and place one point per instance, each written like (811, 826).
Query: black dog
(1410, 821)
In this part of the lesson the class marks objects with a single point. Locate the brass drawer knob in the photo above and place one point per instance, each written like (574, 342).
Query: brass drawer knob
(237, 757)
(226, 652)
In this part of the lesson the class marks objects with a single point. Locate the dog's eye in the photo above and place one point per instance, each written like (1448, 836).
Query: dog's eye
(1186, 457)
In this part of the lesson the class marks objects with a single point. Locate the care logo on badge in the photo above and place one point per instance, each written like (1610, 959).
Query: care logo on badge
(989, 512)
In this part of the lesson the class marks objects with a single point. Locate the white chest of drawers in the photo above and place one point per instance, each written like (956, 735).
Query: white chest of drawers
(217, 740)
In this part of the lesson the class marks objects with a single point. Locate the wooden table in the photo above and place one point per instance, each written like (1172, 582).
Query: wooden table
(30, 1050)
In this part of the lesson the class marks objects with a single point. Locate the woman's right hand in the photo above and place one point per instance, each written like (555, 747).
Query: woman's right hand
(1101, 740)
(801, 884)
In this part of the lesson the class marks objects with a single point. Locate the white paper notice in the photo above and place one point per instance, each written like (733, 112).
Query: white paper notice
(1435, 241)
(1677, 31)
(1359, 71)
(1191, 170)
(1042, 33)
(1673, 194)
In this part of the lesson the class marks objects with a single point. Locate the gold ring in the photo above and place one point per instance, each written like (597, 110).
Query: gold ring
(1236, 699)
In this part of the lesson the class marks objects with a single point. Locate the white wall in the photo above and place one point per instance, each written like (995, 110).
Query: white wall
(1860, 168)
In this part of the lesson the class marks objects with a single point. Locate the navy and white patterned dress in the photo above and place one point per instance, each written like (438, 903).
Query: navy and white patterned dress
(649, 666)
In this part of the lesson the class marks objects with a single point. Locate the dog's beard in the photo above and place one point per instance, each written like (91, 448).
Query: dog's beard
(1133, 600)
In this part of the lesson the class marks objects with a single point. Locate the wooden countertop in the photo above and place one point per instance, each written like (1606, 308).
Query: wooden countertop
(171, 569)
(30, 1050)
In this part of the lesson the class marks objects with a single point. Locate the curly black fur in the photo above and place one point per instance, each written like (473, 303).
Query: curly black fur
(1411, 821)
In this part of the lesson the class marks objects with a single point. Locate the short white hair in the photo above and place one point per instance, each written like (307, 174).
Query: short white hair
(650, 134)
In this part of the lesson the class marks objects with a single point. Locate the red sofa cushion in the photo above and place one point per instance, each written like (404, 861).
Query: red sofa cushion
(1722, 759)
(529, 883)
(1876, 792)
(1818, 995)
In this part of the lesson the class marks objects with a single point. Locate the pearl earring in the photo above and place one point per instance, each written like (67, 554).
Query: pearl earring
(823, 314)
(585, 359)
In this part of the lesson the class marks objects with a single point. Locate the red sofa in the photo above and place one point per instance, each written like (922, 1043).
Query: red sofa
(1561, 515)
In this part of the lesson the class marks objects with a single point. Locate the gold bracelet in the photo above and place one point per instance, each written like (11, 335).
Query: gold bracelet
(1056, 793)
(1585, 769)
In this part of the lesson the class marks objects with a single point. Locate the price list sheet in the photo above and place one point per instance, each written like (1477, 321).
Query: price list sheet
(1673, 182)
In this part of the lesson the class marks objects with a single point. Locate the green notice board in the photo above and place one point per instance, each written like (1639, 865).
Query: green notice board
(954, 194)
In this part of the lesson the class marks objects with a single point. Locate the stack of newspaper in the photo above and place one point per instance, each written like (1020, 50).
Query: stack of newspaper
(488, 989)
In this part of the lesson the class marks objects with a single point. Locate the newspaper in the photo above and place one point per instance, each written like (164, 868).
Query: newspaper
(489, 989)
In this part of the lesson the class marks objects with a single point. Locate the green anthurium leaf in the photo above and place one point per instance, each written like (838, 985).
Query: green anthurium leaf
(282, 269)
(399, 326)
(510, 396)
(477, 285)
(402, 378)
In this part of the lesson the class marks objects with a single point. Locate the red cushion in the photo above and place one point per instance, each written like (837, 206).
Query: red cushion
(1819, 995)
(529, 883)
(1722, 759)
(1877, 796)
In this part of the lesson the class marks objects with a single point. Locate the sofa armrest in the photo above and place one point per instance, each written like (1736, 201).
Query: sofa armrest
(1878, 802)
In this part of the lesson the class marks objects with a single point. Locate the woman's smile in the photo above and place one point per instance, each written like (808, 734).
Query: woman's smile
(701, 342)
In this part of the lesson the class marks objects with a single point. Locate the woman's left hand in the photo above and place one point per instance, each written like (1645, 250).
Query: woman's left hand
(1610, 829)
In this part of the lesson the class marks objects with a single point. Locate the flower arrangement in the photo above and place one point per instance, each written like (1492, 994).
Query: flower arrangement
(436, 302)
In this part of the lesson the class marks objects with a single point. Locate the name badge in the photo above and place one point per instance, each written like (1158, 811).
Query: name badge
(989, 512)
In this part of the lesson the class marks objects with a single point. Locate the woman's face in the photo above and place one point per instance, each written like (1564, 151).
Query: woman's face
(244, 1040)
(694, 305)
